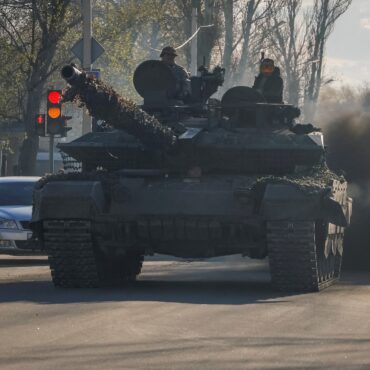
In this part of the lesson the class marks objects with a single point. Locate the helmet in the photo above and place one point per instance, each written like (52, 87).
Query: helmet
(168, 50)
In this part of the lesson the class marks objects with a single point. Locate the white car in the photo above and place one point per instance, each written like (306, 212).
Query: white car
(15, 215)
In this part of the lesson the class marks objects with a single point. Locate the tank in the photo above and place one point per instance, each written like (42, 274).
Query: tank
(195, 178)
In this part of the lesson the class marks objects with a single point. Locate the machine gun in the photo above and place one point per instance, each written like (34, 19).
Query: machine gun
(205, 85)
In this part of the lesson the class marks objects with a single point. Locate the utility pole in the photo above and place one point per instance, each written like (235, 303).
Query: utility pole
(1, 158)
(194, 41)
(51, 153)
(86, 60)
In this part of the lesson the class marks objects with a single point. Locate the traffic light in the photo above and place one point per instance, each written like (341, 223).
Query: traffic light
(55, 122)
(40, 124)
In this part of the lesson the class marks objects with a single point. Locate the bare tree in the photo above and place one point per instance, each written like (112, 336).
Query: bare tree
(209, 13)
(288, 37)
(253, 34)
(324, 15)
(234, 14)
(228, 11)
(247, 26)
(34, 28)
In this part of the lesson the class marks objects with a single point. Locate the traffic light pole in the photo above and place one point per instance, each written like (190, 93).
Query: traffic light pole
(51, 153)
(87, 35)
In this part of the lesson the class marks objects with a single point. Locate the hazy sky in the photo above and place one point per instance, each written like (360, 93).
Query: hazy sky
(348, 49)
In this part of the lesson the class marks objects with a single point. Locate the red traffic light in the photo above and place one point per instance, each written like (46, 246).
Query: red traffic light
(40, 119)
(40, 125)
(54, 97)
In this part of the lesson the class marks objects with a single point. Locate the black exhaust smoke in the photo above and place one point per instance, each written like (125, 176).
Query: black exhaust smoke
(347, 135)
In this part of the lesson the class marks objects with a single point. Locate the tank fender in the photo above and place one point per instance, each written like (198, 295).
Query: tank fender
(288, 202)
(68, 199)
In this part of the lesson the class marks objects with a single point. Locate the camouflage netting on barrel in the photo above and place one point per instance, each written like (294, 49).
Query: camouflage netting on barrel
(104, 103)
(70, 164)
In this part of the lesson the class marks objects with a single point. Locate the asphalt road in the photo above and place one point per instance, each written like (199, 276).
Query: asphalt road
(217, 314)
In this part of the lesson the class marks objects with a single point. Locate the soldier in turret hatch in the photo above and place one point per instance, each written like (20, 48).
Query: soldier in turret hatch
(269, 83)
(168, 56)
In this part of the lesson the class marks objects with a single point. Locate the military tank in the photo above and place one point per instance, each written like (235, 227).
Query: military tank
(195, 178)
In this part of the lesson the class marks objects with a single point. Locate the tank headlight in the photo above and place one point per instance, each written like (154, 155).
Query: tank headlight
(7, 224)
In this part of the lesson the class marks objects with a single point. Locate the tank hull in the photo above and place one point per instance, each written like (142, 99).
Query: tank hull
(97, 228)
(185, 217)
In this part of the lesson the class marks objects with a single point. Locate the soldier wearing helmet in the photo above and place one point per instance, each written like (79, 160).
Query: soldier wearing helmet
(168, 56)
(269, 83)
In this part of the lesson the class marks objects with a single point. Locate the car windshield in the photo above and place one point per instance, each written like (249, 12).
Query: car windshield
(16, 193)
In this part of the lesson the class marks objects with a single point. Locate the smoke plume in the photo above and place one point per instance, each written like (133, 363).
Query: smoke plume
(344, 116)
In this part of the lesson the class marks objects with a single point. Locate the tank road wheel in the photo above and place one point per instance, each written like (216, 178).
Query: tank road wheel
(303, 257)
(329, 250)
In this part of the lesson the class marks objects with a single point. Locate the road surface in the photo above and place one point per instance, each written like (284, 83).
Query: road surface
(216, 314)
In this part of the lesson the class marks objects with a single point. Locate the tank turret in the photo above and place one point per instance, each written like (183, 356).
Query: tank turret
(243, 135)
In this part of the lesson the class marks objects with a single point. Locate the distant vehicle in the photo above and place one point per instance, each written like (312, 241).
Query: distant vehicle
(15, 215)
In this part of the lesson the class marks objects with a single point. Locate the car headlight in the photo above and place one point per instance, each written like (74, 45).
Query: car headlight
(7, 224)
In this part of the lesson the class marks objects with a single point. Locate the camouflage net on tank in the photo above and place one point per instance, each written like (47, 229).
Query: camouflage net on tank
(102, 102)
(70, 164)
(311, 181)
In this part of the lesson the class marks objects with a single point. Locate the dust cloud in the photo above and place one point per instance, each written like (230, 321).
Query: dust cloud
(344, 116)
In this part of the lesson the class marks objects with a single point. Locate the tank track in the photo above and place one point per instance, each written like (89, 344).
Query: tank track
(76, 262)
(71, 253)
(297, 264)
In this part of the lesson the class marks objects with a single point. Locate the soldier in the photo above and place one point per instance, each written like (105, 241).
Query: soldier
(269, 83)
(168, 56)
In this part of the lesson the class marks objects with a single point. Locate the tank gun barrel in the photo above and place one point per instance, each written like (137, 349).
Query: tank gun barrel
(104, 103)
(70, 73)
